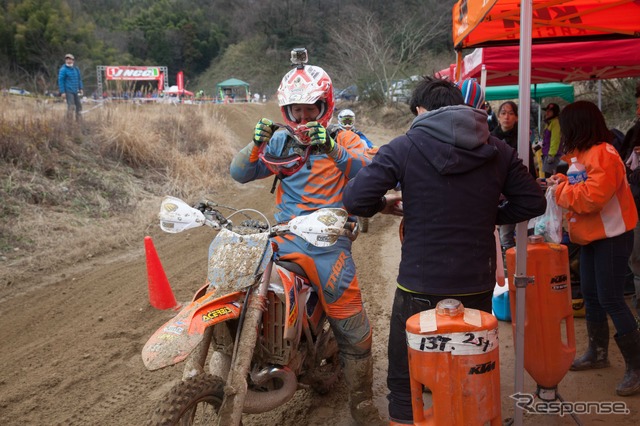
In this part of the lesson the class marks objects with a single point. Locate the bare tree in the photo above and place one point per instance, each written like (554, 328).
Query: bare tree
(377, 55)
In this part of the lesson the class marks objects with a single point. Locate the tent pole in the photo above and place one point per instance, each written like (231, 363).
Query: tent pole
(521, 280)
(483, 77)
(600, 95)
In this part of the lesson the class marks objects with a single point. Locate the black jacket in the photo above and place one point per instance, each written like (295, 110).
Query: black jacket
(511, 138)
(631, 140)
(452, 174)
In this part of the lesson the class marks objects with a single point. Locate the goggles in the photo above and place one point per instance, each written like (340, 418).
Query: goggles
(294, 155)
(346, 120)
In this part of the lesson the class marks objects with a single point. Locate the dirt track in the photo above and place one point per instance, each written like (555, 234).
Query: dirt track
(71, 345)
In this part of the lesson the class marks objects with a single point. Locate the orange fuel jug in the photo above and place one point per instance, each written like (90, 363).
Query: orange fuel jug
(454, 352)
(549, 339)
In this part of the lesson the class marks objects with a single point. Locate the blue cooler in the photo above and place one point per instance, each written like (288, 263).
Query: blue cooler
(501, 307)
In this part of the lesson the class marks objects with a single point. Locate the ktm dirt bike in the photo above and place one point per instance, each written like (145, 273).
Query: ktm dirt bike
(256, 332)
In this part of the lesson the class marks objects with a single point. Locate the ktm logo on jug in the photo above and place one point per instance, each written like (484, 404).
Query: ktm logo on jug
(559, 279)
(483, 368)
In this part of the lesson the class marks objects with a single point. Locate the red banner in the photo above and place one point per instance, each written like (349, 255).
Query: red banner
(161, 82)
(180, 79)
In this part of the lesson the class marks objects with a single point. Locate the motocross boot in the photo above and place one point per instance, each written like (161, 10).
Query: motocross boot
(597, 353)
(358, 373)
(629, 345)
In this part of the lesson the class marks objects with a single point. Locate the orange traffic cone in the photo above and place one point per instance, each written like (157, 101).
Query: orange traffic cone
(160, 293)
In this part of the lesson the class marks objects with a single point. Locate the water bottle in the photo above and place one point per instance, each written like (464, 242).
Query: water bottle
(576, 172)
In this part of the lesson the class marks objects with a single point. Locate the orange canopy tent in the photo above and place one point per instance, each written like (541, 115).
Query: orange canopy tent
(487, 23)
(484, 23)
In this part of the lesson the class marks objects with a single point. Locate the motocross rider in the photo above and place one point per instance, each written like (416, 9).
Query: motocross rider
(313, 170)
(347, 121)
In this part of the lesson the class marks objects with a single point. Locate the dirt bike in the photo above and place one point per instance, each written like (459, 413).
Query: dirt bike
(257, 324)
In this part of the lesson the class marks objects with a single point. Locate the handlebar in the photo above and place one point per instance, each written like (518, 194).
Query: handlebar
(321, 227)
(216, 220)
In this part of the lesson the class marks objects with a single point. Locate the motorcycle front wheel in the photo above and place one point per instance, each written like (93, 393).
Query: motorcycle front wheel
(193, 401)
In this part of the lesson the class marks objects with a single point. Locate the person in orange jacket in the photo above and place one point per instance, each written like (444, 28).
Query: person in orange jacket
(601, 217)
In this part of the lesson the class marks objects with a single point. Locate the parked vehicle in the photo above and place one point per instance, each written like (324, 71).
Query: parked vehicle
(400, 90)
(18, 91)
(256, 332)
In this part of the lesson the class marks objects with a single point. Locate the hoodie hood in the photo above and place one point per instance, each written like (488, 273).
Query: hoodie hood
(458, 138)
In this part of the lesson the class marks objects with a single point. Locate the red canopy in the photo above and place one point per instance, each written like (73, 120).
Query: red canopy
(562, 62)
(482, 23)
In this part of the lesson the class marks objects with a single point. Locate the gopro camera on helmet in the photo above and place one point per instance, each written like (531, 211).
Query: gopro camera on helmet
(299, 57)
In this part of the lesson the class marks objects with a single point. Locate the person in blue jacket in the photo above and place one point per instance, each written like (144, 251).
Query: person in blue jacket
(452, 173)
(70, 86)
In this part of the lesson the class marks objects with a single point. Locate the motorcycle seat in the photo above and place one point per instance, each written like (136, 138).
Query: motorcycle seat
(292, 266)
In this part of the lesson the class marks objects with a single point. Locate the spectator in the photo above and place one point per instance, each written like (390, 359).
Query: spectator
(70, 86)
(507, 130)
(630, 151)
(601, 217)
(451, 187)
(492, 120)
(312, 177)
(551, 142)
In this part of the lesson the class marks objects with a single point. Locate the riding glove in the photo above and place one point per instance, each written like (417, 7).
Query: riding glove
(263, 131)
(320, 138)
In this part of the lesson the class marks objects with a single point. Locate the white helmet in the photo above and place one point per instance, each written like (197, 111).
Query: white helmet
(346, 119)
(306, 85)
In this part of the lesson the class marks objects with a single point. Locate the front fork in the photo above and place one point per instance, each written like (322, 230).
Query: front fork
(194, 364)
(235, 390)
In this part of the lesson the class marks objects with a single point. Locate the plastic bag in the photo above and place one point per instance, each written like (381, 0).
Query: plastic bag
(549, 225)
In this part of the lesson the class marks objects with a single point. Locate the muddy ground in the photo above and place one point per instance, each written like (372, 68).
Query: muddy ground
(71, 339)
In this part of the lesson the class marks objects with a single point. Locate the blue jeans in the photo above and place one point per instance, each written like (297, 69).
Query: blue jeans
(603, 265)
(405, 305)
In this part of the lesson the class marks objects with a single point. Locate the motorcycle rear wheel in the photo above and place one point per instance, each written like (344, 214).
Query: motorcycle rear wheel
(325, 375)
(193, 401)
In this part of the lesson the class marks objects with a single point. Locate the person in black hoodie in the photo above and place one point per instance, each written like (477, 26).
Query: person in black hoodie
(452, 174)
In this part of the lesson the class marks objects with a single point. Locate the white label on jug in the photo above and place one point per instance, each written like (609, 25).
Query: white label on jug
(428, 321)
(473, 317)
(466, 343)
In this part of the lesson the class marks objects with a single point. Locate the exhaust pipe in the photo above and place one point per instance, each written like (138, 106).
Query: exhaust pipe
(260, 402)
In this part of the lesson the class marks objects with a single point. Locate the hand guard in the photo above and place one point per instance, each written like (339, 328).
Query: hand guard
(200, 205)
(320, 138)
(263, 131)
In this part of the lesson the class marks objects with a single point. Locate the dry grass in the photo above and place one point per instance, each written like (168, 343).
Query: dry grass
(69, 192)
